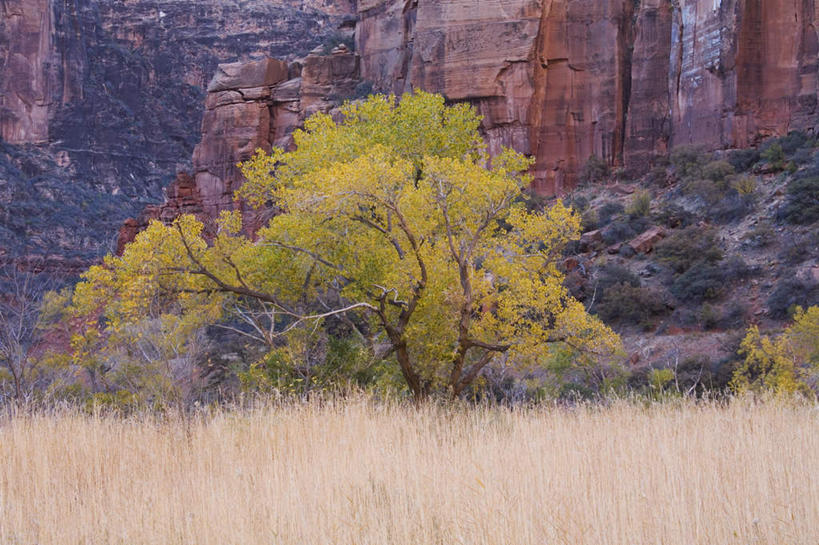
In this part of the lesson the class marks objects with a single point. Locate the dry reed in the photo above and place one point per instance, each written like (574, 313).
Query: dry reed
(363, 473)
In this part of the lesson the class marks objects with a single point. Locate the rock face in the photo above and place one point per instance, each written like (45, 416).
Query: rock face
(620, 79)
(101, 103)
(107, 94)
(251, 106)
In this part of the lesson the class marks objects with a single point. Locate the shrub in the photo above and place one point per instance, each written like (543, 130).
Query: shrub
(709, 316)
(743, 159)
(798, 249)
(695, 375)
(733, 316)
(362, 90)
(707, 191)
(595, 170)
(792, 142)
(335, 39)
(640, 205)
(688, 161)
(625, 302)
(802, 203)
(683, 249)
(790, 293)
(657, 176)
(774, 156)
(590, 220)
(612, 274)
(618, 231)
(606, 212)
(579, 203)
(803, 156)
(703, 281)
(735, 268)
(673, 216)
(717, 171)
(744, 185)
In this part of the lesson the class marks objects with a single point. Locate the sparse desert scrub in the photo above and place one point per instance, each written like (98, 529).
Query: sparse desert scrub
(369, 473)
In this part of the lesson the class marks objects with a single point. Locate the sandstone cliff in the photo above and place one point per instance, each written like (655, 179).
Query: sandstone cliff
(620, 79)
(113, 91)
(101, 104)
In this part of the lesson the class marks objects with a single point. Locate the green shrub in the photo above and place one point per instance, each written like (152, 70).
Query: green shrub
(335, 39)
(792, 142)
(760, 236)
(682, 249)
(733, 206)
(629, 303)
(802, 203)
(743, 159)
(673, 216)
(708, 191)
(590, 220)
(618, 231)
(608, 211)
(733, 316)
(718, 171)
(798, 249)
(702, 281)
(709, 316)
(803, 156)
(790, 293)
(688, 161)
(744, 185)
(362, 90)
(657, 176)
(595, 170)
(640, 205)
(612, 274)
(774, 156)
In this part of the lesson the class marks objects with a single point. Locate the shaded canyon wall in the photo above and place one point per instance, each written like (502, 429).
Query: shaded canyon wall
(110, 93)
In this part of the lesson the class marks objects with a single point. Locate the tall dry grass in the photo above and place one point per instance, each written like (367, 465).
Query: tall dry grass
(362, 473)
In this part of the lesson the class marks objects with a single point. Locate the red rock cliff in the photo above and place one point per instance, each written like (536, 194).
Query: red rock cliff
(620, 79)
(562, 80)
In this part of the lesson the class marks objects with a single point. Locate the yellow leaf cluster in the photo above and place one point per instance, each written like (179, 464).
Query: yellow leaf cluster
(787, 364)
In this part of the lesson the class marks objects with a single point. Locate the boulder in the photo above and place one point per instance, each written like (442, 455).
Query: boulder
(247, 75)
(644, 243)
(590, 239)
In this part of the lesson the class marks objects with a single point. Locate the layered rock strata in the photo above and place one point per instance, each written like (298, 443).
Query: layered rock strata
(250, 106)
(111, 90)
(101, 104)
(623, 80)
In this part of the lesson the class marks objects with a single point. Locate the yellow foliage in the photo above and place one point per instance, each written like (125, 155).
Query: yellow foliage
(787, 364)
(394, 214)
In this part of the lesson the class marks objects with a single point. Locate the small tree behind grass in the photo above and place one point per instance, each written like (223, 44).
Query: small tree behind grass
(787, 364)
(392, 222)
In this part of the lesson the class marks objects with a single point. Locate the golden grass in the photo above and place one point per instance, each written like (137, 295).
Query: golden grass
(362, 473)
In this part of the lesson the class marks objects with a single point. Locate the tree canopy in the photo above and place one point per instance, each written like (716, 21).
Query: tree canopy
(393, 220)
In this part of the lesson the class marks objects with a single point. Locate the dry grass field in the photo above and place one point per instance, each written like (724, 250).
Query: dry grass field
(362, 473)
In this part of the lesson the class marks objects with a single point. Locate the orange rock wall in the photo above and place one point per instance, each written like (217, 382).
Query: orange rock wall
(621, 79)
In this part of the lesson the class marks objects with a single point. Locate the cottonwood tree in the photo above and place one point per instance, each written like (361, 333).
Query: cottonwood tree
(786, 364)
(393, 220)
